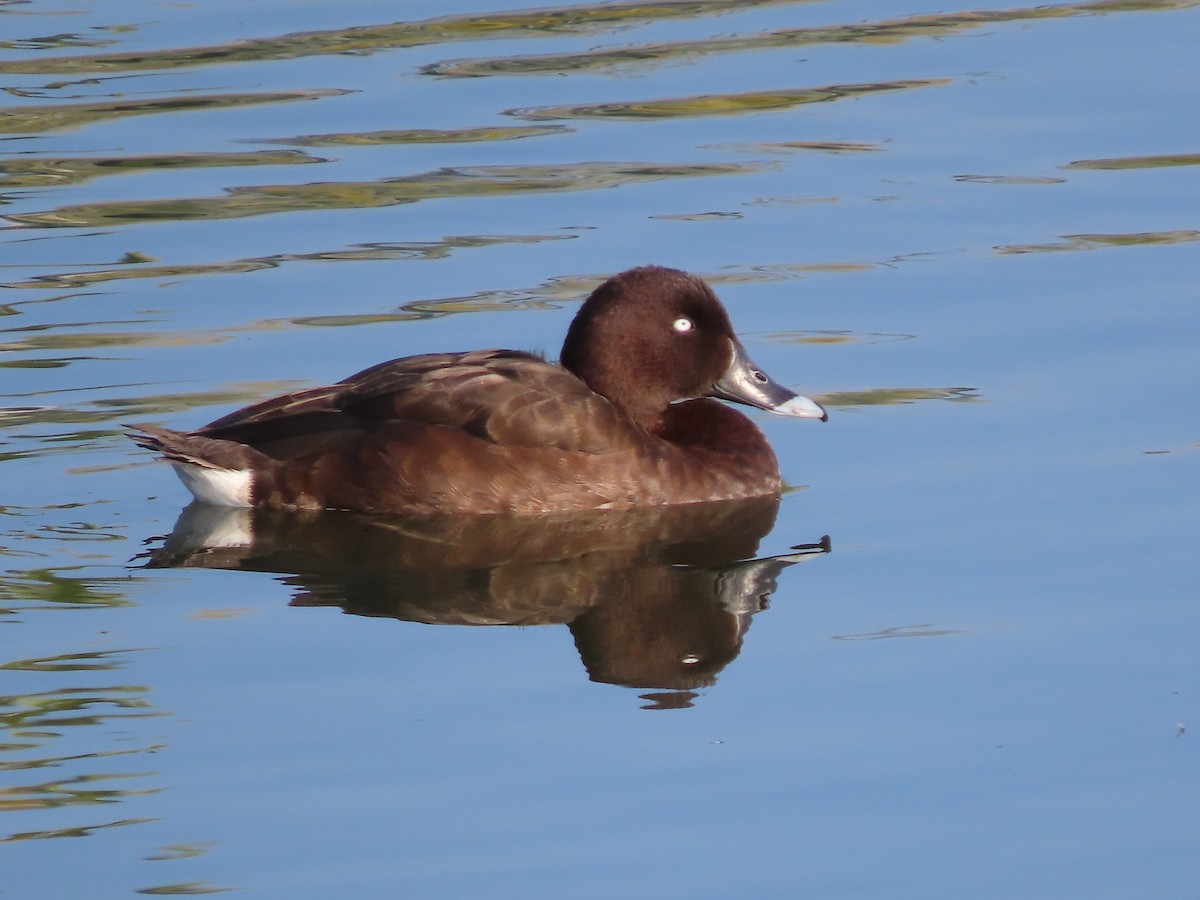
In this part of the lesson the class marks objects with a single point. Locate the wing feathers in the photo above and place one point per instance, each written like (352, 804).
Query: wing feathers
(506, 397)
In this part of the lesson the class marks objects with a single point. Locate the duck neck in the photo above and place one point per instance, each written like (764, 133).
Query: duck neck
(710, 424)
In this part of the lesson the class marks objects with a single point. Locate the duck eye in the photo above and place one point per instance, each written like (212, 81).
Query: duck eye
(683, 324)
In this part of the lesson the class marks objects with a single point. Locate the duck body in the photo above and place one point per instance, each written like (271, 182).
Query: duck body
(623, 421)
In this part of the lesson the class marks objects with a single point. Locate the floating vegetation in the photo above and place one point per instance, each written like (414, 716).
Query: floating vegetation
(1096, 241)
(134, 265)
(700, 216)
(92, 661)
(56, 588)
(1138, 162)
(188, 850)
(55, 42)
(119, 409)
(889, 31)
(837, 337)
(477, 181)
(1009, 179)
(57, 116)
(720, 104)
(900, 631)
(545, 22)
(43, 171)
(886, 396)
(421, 136)
(185, 888)
(73, 831)
(29, 721)
(820, 146)
(791, 201)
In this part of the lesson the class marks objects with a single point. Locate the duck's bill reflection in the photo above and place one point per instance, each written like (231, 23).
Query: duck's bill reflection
(655, 598)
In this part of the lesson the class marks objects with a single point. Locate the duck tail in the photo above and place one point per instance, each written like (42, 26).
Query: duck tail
(215, 471)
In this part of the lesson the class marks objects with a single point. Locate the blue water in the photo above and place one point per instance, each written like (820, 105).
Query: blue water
(988, 688)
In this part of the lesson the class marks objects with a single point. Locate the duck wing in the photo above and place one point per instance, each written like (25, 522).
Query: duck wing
(505, 397)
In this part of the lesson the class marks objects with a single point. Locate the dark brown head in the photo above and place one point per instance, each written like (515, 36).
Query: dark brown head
(651, 336)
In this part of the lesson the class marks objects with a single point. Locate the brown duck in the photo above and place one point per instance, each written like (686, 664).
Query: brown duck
(623, 420)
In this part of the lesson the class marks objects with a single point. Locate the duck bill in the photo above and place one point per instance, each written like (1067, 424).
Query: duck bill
(744, 382)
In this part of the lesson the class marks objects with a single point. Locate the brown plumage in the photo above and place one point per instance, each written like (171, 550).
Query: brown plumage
(491, 431)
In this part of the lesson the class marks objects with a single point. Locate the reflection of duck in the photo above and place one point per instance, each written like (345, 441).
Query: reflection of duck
(657, 597)
(502, 431)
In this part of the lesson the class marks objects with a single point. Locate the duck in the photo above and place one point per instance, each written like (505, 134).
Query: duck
(631, 415)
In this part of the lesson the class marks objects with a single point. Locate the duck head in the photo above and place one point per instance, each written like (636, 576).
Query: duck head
(652, 336)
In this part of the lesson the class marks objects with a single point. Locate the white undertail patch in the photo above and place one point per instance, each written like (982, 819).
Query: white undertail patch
(220, 487)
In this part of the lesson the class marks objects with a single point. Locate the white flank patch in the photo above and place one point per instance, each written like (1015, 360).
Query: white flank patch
(220, 487)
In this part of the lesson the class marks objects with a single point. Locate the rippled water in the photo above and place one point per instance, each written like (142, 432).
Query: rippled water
(972, 233)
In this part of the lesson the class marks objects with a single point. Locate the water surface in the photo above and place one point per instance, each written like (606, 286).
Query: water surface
(973, 233)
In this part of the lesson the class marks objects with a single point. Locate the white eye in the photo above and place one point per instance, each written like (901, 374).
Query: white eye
(683, 324)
